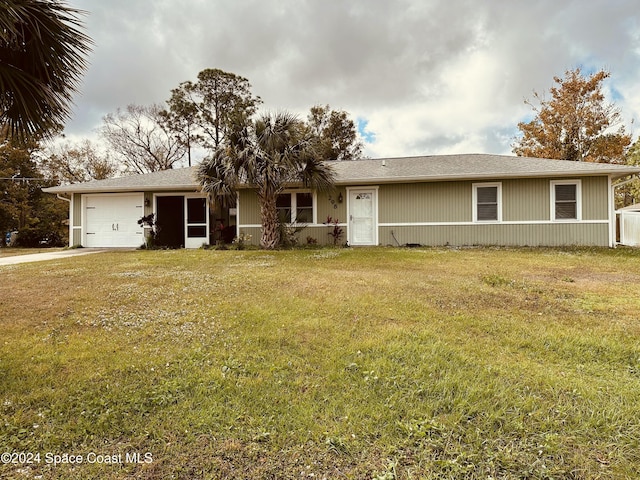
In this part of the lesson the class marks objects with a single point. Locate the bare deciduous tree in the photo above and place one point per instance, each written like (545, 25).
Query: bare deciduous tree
(77, 162)
(141, 138)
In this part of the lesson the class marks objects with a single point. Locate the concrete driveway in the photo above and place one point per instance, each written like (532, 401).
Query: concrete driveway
(39, 257)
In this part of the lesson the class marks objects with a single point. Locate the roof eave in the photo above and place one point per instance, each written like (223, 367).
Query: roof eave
(68, 189)
(482, 176)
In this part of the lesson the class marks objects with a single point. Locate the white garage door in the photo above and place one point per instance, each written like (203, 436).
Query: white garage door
(112, 220)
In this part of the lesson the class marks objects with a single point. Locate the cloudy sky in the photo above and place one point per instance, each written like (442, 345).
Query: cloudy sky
(419, 76)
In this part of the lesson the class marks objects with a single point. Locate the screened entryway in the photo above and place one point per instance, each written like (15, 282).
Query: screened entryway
(197, 223)
(182, 221)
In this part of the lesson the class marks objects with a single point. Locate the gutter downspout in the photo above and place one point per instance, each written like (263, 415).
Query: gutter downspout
(70, 201)
(612, 213)
(238, 214)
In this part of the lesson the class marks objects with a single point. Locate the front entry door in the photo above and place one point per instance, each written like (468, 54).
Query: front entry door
(363, 215)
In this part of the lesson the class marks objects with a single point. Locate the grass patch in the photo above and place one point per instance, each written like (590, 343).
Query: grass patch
(354, 363)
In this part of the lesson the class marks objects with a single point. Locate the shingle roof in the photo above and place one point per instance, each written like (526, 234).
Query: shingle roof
(165, 180)
(466, 167)
(380, 170)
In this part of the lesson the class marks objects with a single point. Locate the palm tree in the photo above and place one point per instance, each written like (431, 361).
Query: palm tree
(42, 57)
(268, 155)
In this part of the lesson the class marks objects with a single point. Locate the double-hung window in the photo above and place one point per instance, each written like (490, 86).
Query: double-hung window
(295, 207)
(487, 202)
(565, 200)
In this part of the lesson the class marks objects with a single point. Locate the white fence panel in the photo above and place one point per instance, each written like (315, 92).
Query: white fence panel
(630, 228)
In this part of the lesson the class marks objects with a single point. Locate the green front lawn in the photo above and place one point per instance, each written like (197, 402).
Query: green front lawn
(348, 363)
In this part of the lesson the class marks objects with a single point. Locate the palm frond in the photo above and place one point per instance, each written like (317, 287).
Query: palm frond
(269, 155)
(218, 175)
(317, 174)
(42, 58)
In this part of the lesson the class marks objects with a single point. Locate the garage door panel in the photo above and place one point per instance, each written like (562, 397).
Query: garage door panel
(112, 220)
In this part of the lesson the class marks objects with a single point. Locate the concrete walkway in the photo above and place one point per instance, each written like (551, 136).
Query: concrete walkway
(39, 257)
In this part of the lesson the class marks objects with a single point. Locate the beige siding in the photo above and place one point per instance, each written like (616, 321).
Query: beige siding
(77, 210)
(318, 232)
(448, 203)
(522, 200)
(595, 191)
(592, 234)
(327, 204)
(76, 233)
(525, 200)
(425, 202)
(330, 206)
(77, 237)
(248, 208)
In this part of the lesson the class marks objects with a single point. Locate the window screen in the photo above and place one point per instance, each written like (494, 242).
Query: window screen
(196, 231)
(196, 210)
(487, 203)
(566, 196)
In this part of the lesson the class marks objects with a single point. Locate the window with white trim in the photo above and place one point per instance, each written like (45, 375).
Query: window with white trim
(487, 202)
(565, 200)
(295, 207)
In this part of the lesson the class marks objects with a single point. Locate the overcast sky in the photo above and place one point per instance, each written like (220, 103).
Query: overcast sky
(419, 76)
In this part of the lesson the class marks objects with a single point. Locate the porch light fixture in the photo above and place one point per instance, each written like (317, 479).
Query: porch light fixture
(340, 198)
(147, 202)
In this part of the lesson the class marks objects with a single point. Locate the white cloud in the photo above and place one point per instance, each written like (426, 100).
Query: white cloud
(429, 76)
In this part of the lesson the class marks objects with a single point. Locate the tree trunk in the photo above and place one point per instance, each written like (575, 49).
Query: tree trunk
(270, 224)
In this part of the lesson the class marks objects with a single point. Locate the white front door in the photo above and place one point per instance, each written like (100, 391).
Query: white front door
(111, 220)
(363, 217)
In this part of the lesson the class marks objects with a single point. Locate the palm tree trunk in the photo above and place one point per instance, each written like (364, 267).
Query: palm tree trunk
(270, 228)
